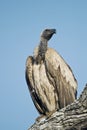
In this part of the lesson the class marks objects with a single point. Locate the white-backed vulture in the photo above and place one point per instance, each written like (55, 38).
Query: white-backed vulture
(49, 78)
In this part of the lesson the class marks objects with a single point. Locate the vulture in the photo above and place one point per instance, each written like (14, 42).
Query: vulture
(50, 79)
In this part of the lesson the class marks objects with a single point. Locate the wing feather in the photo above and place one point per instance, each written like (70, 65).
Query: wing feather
(65, 82)
(30, 82)
(52, 84)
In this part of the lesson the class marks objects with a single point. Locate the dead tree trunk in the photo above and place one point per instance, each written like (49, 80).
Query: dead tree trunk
(72, 117)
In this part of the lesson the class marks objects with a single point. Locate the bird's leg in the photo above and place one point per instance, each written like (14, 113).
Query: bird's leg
(41, 118)
(48, 114)
(44, 117)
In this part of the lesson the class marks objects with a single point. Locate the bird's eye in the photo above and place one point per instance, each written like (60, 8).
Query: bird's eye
(46, 30)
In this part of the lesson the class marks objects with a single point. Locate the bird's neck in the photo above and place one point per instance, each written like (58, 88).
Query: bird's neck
(43, 40)
(43, 45)
(42, 48)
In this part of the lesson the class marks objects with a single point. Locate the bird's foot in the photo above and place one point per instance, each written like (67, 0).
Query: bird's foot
(48, 114)
(41, 118)
(45, 117)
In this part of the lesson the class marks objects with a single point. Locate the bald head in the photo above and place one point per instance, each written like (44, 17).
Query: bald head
(47, 34)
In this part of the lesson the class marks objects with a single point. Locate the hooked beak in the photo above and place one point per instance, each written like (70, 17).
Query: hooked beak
(53, 31)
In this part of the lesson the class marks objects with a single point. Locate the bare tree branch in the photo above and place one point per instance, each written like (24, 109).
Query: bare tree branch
(72, 117)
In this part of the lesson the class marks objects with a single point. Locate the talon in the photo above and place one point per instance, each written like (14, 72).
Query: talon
(41, 118)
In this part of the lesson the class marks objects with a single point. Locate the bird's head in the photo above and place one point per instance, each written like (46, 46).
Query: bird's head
(47, 34)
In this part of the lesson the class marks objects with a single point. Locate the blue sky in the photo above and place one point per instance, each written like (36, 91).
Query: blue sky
(21, 23)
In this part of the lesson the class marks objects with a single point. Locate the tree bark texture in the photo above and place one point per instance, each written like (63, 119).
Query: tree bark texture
(71, 117)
